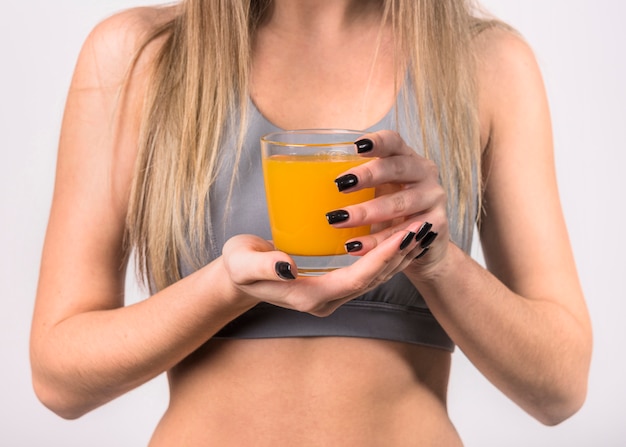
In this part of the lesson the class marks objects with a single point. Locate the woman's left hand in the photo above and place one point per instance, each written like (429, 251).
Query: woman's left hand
(407, 192)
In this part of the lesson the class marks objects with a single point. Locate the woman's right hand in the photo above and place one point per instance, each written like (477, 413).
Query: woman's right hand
(261, 273)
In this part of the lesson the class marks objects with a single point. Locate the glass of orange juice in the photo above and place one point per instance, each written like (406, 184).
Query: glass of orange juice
(299, 169)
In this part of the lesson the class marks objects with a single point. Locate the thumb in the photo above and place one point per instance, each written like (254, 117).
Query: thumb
(249, 259)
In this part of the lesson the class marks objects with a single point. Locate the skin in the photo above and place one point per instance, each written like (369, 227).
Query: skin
(523, 322)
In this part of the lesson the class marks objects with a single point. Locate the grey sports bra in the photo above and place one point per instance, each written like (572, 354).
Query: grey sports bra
(393, 311)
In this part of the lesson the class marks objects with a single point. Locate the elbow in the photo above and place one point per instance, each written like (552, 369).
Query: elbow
(556, 407)
(56, 387)
(59, 393)
(556, 414)
(564, 389)
(60, 403)
(67, 390)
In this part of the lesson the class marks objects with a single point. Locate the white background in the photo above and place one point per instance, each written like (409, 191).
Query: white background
(581, 47)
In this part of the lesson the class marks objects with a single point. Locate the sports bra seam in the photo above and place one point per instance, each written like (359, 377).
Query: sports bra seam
(378, 306)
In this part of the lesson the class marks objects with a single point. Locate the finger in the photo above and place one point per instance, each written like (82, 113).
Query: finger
(398, 169)
(404, 204)
(402, 245)
(249, 259)
(395, 162)
(365, 244)
(388, 252)
(383, 143)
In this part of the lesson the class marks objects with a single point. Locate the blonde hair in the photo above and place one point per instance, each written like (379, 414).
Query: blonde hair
(200, 79)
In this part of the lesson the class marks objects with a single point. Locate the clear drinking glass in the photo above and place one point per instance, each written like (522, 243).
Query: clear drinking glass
(299, 169)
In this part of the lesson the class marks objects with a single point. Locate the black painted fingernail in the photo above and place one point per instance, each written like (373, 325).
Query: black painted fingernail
(346, 181)
(407, 240)
(424, 229)
(428, 239)
(353, 246)
(423, 252)
(283, 270)
(337, 216)
(364, 145)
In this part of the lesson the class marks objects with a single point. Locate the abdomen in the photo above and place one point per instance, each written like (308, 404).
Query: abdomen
(309, 392)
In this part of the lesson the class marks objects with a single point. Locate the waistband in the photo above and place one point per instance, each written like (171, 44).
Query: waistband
(360, 319)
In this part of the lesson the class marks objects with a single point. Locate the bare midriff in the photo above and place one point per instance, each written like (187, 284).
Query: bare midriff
(309, 392)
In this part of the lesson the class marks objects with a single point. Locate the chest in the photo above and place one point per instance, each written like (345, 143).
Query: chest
(323, 86)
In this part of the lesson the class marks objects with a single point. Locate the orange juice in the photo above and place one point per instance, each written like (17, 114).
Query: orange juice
(300, 191)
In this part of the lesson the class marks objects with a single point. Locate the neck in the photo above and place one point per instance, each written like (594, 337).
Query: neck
(309, 18)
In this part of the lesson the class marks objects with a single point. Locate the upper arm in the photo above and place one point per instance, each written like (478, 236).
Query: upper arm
(523, 232)
(82, 265)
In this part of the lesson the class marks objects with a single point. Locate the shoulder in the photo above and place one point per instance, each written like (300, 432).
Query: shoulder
(508, 75)
(128, 27)
(116, 42)
(503, 51)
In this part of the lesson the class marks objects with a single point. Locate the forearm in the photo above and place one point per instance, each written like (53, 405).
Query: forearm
(92, 357)
(531, 348)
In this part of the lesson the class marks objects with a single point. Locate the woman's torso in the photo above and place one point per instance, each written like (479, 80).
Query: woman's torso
(318, 390)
